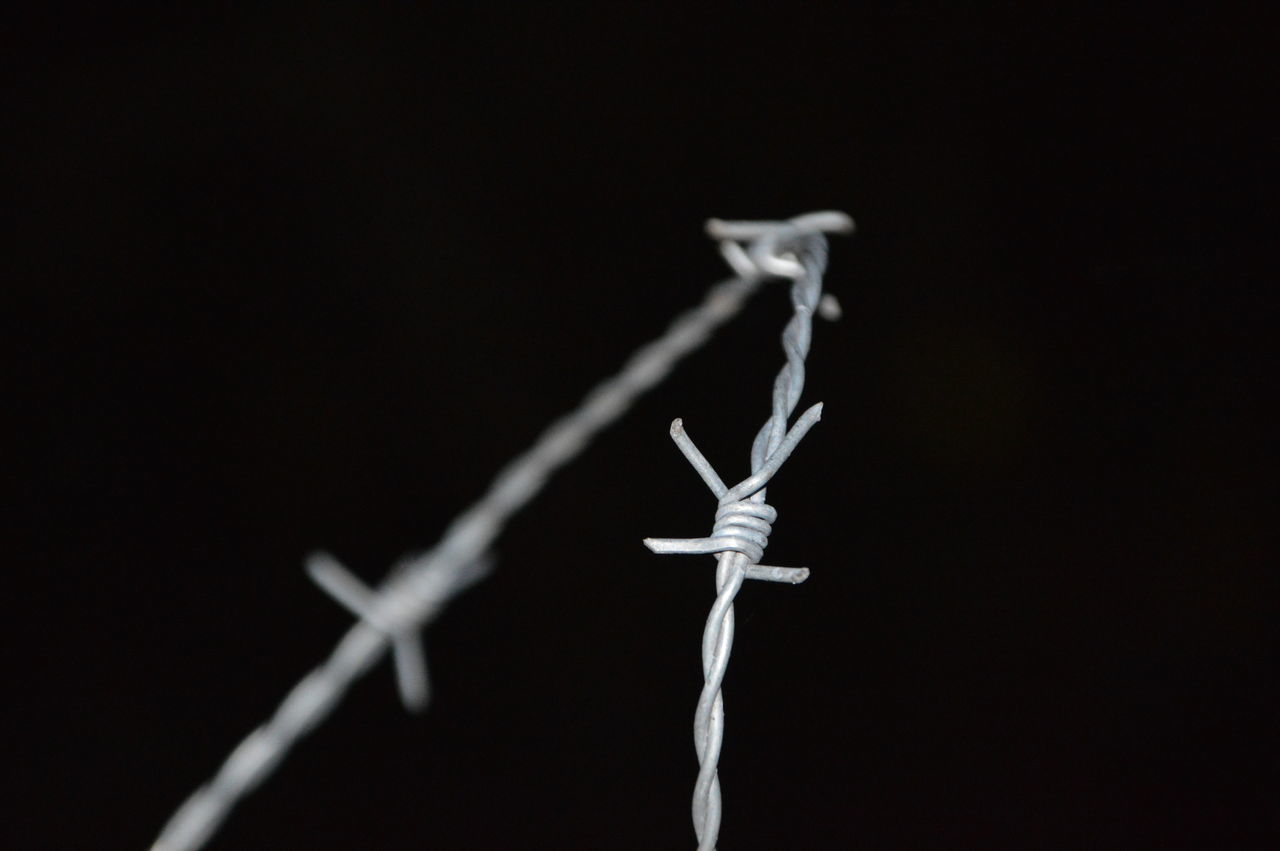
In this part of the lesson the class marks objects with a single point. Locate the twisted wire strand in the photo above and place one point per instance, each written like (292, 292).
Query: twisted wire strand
(795, 249)
(418, 587)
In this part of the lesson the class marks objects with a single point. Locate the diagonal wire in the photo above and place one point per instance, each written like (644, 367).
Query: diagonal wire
(416, 588)
(796, 249)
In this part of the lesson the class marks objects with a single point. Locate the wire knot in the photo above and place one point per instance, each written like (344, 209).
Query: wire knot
(743, 527)
(743, 524)
(767, 242)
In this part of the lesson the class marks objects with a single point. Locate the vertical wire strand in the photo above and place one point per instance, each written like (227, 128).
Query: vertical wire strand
(796, 249)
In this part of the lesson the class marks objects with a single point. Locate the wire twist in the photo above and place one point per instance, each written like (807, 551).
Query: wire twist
(743, 527)
(796, 249)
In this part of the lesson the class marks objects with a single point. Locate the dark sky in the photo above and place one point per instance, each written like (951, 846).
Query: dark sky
(307, 277)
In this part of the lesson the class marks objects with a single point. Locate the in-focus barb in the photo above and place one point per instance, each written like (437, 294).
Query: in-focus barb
(794, 249)
(741, 526)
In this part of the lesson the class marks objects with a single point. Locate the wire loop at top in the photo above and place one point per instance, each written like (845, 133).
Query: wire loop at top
(766, 251)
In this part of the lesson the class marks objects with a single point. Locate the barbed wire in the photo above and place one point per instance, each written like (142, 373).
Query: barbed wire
(796, 249)
(417, 588)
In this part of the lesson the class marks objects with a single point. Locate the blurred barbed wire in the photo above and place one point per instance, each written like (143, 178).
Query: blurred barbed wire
(418, 586)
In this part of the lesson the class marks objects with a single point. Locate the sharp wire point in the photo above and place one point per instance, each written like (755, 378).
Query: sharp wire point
(829, 308)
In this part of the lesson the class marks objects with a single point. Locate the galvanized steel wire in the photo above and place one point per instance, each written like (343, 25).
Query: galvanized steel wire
(417, 588)
(795, 249)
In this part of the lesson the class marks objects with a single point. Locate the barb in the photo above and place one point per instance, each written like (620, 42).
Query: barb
(795, 249)
(400, 615)
(418, 587)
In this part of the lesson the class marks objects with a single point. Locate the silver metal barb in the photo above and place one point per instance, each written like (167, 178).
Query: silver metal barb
(793, 249)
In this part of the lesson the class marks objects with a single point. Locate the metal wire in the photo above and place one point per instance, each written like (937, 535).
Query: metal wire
(798, 250)
(418, 587)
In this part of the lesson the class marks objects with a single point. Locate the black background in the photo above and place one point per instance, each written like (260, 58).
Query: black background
(306, 277)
